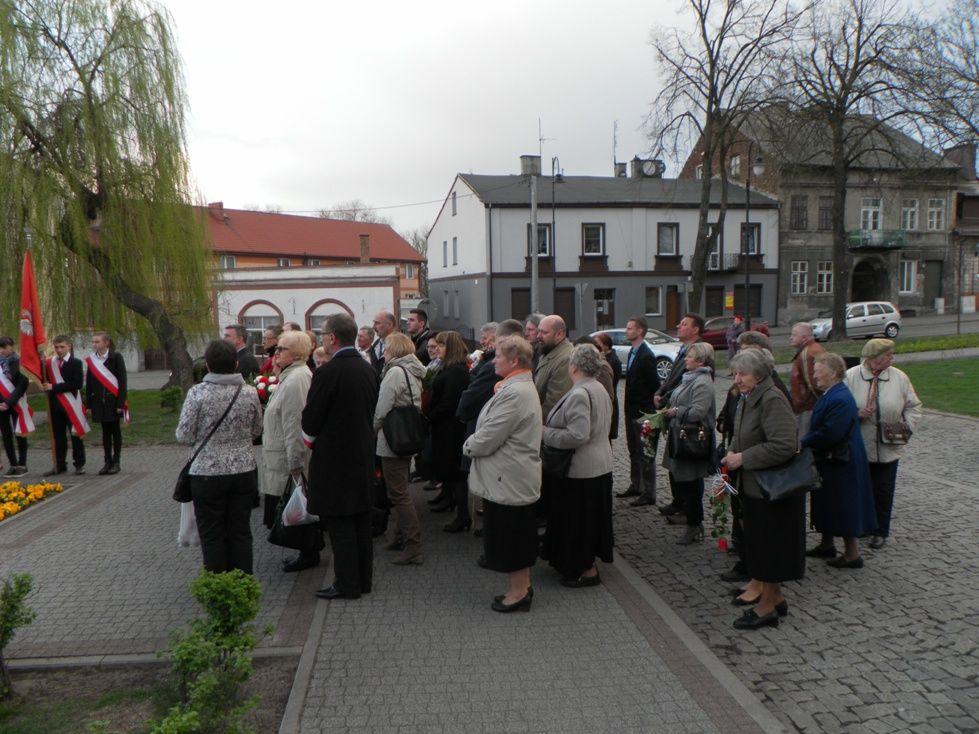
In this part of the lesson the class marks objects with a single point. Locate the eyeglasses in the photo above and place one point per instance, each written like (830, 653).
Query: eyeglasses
(281, 349)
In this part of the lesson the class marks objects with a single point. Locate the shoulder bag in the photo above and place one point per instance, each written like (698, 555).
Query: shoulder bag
(181, 491)
(405, 427)
(557, 462)
(796, 476)
(690, 441)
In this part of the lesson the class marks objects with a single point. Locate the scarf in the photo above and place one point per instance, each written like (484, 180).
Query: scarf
(872, 394)
(216, 378)
(689, 376)
(501, 383)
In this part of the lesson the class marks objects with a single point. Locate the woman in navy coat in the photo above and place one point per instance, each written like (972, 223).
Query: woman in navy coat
(845, 505)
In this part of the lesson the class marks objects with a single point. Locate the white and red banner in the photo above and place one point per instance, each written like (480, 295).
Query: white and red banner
(31, 325)
(71, 402)
(107, 380)
(22, 411)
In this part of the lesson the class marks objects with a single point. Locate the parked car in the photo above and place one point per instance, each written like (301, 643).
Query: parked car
(664, 346)
(864, 319)
(715, 330)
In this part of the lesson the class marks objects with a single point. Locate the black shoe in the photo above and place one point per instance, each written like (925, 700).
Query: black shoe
(478, 533)
(751, 620)
(332, 592)
(17, 471)
(676, 519)
(481, 562)
(821, 552)
(10, 472)
(457, 526)
(55, 472)
(692, 534)
(670, 509)
(301, 563)
(642, 501)
(79, 470)
(518, 606)
(501, 597)
(582, 581)
(431, 487)
(739, 602)
(631, 492)
(877, 542)
(841, 562)
(105, 469)
(114, 469)
(736, 574)
(782, 608)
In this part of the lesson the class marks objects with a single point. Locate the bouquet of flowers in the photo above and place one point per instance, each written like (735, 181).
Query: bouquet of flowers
(650, 426)
(719, 492)
(265, 385)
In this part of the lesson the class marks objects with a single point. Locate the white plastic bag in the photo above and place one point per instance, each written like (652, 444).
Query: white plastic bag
(187, 534)
(296, 512)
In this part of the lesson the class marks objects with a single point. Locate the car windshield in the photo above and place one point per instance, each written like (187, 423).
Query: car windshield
(825, 314)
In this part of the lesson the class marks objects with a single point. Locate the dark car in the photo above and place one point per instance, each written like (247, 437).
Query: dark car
(715, 330)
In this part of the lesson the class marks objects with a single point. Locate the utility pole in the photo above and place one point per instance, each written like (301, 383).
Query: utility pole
(534, 248)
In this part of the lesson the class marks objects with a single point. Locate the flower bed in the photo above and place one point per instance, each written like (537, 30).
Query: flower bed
(15, 497)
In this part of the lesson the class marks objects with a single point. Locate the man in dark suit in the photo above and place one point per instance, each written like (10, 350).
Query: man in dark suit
(65, 378)
(385, 323)
(105, 397)
(641, 383)
(237, 336)
(420, 333)
(338, 420)
(689, 331)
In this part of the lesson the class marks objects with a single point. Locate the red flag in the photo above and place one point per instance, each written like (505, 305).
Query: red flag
(31, 325)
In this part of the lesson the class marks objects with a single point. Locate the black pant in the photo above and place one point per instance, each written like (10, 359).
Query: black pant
(223, 505)
(642, 469)
(883, 478)
(692, 494)
(61, 426)
(353, 552)
(112, 441)
(8, 421)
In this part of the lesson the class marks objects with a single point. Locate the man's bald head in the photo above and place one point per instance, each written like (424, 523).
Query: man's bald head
(552, 330)
(385, 323)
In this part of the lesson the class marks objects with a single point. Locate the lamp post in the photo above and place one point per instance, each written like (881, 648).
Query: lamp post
(556, 177)
(758, 167)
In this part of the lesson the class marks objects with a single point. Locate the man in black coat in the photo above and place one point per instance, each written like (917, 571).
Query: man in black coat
(237, 336)
(385, 323)
(69, 388)
(105, 397)
(420, 333)
(338, 420)
(641, 384)
(10, 365)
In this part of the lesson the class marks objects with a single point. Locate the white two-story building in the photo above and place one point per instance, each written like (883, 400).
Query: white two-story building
(610, 248)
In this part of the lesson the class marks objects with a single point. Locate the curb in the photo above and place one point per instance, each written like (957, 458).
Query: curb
(125, 659)
(727, 679)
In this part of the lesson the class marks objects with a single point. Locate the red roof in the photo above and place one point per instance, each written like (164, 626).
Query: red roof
(239, 231)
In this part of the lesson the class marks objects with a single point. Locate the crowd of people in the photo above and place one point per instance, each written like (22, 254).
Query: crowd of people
(520, 440)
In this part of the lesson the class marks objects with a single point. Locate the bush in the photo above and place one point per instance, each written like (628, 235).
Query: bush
(212, 661)
(171, 398)
(14, 613)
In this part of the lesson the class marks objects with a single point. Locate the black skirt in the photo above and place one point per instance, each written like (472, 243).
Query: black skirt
(774, 538)
(509, 536)
(579, 525)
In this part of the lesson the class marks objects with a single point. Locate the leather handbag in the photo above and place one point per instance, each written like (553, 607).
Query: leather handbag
(691, 441)
(556, 462)
(838, 454)
(796, 476)
(405, 427)
(181, 490)
(894, 434)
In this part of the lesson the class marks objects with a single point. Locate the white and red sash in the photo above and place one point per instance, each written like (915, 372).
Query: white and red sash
(71, 402)
(308, 440)
(25, 416)
(107, 380)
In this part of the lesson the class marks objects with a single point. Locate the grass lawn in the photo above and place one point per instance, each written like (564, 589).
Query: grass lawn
(951, 385)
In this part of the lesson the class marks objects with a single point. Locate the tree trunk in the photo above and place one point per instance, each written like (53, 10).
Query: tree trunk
(841, 269)
(698, 263)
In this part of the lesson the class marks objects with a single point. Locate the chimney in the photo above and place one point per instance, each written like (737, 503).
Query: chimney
(216, 210)
(636, 167)
(964, 156)
(365, 248)
(530, 165)
(620, 170)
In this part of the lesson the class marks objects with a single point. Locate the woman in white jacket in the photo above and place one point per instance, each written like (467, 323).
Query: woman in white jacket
(401, 385)
(884, 395)
(506, 471)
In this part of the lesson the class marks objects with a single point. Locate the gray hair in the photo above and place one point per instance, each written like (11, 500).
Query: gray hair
(702, 352)
(488, 327)
(754, 339)
(834, 362)
(509, 327)
(518, 348)
(535, 318)
(587, 360)
(803, 326)
(367, 330)
(757, 362)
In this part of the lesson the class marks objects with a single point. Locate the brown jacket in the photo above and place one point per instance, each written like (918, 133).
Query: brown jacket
(802, 386)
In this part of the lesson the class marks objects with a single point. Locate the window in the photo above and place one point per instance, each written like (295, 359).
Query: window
(543, 240)
(750, 237)
(409, 271)
(455, 304)
(445, 254)
(909, 214)
(800, 278)
(227, 262)
(256, 321)
(667, 239)
(313, 262)
(592, 239)
(870, 214)
(653, 307)
(699, 172)
(455, 250)
(799, 212)
(283, 262)
(824, 277)
(936, 214)
(909, 276)
(714, 253)
(874, 309)
(735, 166)
(445, 303)
(454, 210)
(856, 312)
(825, 222)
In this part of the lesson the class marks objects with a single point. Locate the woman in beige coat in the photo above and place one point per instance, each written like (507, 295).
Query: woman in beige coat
(506, 472)
(883, 394)
(285, 457)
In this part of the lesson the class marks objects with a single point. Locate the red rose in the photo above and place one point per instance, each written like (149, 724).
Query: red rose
(722, 545)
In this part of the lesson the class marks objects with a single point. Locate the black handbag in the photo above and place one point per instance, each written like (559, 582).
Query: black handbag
(691, 441)
(181, 490)
(307, 537)
(405, 427)
(796, 476)
(557, 462)
(838, 454)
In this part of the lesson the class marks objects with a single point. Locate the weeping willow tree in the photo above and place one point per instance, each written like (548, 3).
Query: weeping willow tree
(94, 175)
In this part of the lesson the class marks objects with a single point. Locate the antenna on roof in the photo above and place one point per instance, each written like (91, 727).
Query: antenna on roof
(541, 139)
(615, 141)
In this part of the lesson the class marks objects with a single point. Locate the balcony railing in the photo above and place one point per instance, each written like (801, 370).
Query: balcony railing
(734, 261)
(880, 239)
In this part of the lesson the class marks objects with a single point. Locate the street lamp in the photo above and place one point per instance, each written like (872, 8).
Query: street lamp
(758, 167)
(556, 177)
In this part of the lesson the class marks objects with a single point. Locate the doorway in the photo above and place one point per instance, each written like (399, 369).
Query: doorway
(564, 306)
(674, 307)
(869, 281)
(933, 282)
(604, 308)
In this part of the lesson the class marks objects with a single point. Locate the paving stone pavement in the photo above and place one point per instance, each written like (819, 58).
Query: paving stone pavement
(892, 647)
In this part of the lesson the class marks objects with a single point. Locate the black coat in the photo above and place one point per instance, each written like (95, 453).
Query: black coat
(641, 383)
(482, 380)
(376, 362)
(616, 364)
(105, 406)
(448, 432)
(421, 346)
(18, 379)
(74, 377)
(339, 415)
(247, 364)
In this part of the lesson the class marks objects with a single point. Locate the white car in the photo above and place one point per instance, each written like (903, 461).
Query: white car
(865, 319)
(664, 347)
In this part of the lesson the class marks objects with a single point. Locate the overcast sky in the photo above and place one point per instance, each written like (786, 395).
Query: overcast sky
(305, 104)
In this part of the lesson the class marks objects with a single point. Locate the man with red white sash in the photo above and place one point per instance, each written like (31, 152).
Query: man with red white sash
(65, 379)
(105, 396)
(15, 415)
